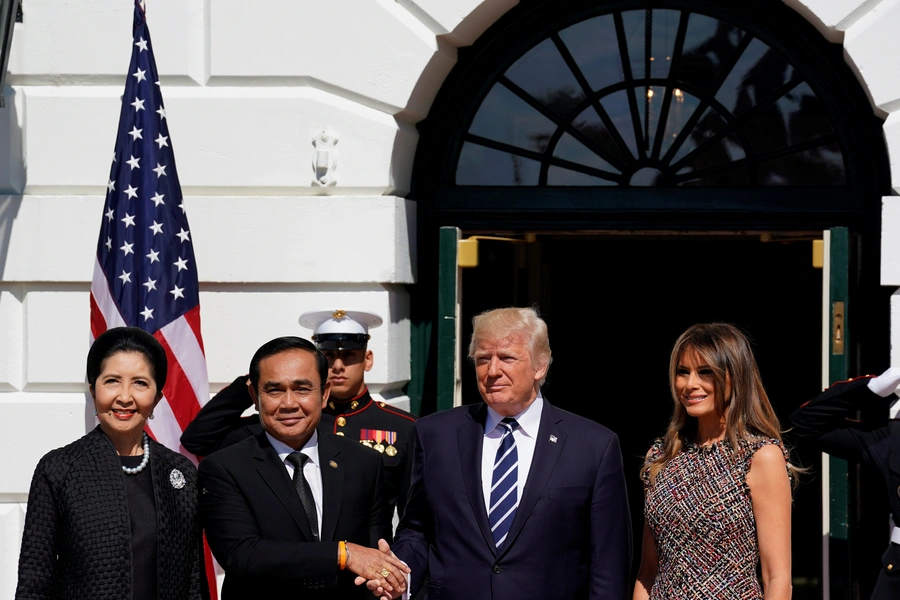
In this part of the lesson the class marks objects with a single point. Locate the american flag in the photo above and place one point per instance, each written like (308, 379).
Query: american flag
(145, 274)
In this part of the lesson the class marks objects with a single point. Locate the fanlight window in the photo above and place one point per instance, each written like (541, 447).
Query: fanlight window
(651, 98)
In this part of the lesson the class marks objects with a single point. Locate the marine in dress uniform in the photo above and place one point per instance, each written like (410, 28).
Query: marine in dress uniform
(343, 338)
(351, 412)
(828, 422)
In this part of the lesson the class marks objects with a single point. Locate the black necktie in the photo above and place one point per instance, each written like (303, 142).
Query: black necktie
(298, 459)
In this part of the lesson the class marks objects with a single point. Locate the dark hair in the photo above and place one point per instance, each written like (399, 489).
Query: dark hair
(283, 344)
(128, 339)
(747, 411)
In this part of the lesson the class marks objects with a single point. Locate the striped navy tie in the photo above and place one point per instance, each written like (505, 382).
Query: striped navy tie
(504, 483)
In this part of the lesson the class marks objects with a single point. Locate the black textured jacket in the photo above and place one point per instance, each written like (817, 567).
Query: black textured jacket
(828, 423)
(77, 540)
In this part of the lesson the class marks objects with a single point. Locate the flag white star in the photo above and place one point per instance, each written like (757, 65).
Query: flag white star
(147, 313)
(150, 283)
(177, 293)
(158, 198)
(162, 140)
(153, 256)
(142, 44)
(138, 104)
(183, 235)
(181, 264)
(127, 248)
(109, 243)
(156, 227)
(125, 277)
(162, 113)
(111, 186)
(160, 170)
(181, 206)
(131, 191)
(140, 75)
(128, 220)
(135, 133)
(110, 215)
(134, 163)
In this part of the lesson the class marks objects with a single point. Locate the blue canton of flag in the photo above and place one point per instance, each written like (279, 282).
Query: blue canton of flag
(145, 247)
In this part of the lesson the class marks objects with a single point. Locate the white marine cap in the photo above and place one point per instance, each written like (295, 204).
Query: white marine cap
(340, 329)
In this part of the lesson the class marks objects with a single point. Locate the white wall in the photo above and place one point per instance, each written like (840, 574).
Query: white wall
(246, 87)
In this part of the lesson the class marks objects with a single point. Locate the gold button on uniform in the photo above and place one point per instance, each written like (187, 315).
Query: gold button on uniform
(890, 567)
(354, 405)
(341, 433)
(341, 421)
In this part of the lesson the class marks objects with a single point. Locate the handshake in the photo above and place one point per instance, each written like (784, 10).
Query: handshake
(379, 569)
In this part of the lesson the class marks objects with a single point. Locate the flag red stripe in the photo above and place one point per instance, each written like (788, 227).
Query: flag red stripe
(210, 569)
(98, 323)
(178, 389)
(193, 320)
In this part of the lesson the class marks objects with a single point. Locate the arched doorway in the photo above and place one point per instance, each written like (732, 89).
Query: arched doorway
(663, 163)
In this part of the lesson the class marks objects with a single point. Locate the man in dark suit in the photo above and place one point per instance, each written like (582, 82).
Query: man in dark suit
(342, 336)
(828, 422)
(515, 499)
(289, 512)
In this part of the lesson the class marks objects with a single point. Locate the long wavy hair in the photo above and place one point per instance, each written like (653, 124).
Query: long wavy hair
(746, 409)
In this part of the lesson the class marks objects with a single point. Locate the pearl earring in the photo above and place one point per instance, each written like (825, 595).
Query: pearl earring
(151, 415)
(95, 412)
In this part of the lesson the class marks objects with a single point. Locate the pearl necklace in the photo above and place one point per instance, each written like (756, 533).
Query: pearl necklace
(140, 467)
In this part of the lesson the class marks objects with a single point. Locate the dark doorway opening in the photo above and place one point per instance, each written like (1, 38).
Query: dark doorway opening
(615, 305)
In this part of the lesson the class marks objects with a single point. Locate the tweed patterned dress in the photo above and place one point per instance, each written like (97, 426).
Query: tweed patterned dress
(699, 512)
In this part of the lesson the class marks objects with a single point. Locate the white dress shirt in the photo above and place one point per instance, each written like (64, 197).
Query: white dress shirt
(311, 470)
(525, 435)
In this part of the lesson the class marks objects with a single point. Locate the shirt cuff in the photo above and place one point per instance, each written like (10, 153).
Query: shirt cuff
(885, 384)
(408, 593)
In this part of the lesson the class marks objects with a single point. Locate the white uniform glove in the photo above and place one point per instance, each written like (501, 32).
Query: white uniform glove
(885, 384)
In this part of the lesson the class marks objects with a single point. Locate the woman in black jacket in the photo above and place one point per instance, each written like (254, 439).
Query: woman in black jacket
(114, 514)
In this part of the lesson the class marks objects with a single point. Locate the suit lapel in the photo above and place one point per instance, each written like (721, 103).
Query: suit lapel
(275, 476)
(546, 455)
(470, 437)
(332, 484)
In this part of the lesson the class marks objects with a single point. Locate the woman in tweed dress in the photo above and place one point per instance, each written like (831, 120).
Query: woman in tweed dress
(717, 500)
(114, 514)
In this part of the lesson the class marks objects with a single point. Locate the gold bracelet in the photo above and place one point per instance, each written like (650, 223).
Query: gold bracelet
(342, 555)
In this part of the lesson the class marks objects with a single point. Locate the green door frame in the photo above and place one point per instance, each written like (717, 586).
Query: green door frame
(448, 326)
(837, 558)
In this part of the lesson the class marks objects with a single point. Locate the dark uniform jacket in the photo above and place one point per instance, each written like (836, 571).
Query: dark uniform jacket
(219, 424)
(259, 532)
(826, 422)
(77, 540)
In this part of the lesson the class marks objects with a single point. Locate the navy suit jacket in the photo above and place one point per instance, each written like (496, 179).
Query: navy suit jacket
(570, 538)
